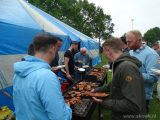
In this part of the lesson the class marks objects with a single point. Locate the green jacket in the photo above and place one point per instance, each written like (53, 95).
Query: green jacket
(127, 95)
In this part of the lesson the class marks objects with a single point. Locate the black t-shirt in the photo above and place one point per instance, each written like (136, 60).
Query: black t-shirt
(70, 55)
(74, 52)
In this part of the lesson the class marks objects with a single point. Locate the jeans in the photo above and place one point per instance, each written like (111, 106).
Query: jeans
(158, 88)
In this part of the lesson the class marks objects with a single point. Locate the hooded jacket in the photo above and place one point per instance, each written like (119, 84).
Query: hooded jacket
(127, 94)
(36, 92)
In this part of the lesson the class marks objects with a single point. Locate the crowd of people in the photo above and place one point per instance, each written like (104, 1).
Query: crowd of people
(36, 86)
(37, 91)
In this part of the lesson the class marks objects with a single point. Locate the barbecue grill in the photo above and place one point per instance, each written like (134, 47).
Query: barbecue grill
(84, 109)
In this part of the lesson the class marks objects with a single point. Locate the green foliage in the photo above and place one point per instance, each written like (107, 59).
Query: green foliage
(152, 35)
(96, 23)
(79, 14)
(104, 61)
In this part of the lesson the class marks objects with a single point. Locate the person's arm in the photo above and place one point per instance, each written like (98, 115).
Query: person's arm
(150, 63)
(54, 69)
(132, 89)
(63, 71)
(66, 61)
(51, 97)
(105, 88)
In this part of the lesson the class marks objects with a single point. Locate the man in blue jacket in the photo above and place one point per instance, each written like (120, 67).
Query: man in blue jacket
(36, 89)
(148, 57)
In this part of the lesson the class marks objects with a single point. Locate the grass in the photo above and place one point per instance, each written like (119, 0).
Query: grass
(155, 106)
(103, 61)
(154, 113)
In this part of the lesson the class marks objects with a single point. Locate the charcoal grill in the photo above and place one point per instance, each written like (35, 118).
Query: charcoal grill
(84, 110)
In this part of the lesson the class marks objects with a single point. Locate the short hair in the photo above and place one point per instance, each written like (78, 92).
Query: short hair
(58, 39)
(83, 48)
(136, 33)
(31, 49)
(43, 41)
(114, 43)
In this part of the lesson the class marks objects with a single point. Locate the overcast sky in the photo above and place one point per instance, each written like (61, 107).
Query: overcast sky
(146, 14)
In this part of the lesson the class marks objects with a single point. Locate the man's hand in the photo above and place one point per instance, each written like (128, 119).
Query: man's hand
(92, 90)
(79, 61)
(69, 77)
(97, 100)
(54, 69)
(63, 71)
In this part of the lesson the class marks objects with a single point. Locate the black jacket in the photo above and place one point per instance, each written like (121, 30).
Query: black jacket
(127, 96)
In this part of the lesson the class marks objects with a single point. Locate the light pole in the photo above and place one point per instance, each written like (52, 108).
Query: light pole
(132, 20)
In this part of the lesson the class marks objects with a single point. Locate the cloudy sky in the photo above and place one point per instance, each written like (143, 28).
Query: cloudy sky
(146, 14)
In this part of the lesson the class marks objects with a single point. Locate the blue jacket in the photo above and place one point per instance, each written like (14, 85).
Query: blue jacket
(149, 58)
(84, 58)
(36, 92)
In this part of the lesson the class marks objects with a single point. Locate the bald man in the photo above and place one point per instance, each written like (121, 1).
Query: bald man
(82, 58)
(148, 57)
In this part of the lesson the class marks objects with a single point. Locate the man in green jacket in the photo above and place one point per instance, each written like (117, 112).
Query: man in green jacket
(127, 96)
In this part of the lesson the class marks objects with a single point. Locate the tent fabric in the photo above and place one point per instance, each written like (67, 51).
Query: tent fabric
(35, 21)
(18, 28)
(15, 39)
(42, 21)
(6, 66)
(12, 12)
(73, 34)
(85, 41)
(21, 21)
(5, 100)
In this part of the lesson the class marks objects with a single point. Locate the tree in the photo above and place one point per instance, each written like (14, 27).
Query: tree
(152, 35)
(81, 15)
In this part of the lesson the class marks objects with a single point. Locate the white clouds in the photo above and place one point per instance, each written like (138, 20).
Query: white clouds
(146, 14)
